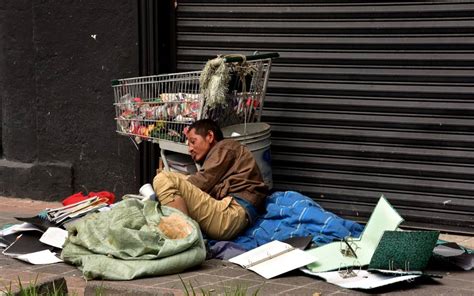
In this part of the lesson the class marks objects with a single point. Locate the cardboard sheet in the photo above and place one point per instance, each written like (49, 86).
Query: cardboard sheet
(273, 259)
(25, 243)
(362, 279)
(335, 255)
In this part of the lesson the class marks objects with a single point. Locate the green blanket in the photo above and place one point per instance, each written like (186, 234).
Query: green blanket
(130, 241)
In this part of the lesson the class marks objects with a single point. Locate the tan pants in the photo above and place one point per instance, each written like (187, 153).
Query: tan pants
(219, 219)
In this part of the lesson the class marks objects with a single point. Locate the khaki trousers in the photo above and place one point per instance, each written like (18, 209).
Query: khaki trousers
(219, 219)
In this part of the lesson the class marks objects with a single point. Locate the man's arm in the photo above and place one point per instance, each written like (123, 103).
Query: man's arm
(214, 168)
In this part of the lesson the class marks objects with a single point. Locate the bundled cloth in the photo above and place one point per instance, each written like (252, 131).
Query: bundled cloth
(214, 81)
(134, 239)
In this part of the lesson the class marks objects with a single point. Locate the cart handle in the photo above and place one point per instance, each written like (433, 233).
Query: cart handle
(233, 59)
(270, 55)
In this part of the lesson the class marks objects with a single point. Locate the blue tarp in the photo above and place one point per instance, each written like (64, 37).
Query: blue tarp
(291, 214)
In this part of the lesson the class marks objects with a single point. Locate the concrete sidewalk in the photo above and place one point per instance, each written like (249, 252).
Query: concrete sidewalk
(214, 276)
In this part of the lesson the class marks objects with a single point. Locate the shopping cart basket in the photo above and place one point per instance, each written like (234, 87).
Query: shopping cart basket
(159, 108)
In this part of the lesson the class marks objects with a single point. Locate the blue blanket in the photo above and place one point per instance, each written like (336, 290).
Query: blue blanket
(291, 214)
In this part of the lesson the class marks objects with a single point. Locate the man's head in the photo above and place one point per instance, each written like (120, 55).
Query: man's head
(202, 136)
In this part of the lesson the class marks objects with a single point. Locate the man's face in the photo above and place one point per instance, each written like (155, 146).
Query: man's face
(199, 146)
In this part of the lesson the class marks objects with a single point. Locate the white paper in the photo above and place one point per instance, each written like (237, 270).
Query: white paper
(41, 257)
(265, 251)
(363, 280)
(283, 263)
(55, 237)
(273, 258)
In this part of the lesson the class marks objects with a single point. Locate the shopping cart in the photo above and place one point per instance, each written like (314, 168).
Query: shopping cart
(159, 108)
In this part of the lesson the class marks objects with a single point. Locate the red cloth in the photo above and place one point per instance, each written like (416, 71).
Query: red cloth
(77, 197)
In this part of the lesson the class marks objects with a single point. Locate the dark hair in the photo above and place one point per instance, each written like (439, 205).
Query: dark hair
(203, 126)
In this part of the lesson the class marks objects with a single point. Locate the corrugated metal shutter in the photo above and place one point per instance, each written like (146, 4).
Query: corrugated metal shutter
(367, 98)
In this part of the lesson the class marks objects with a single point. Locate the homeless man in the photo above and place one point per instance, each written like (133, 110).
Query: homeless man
(226, 194)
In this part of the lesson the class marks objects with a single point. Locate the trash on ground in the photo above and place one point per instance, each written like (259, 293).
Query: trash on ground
(273, 259)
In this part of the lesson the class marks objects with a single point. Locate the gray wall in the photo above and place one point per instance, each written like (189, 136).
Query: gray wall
(58, 131)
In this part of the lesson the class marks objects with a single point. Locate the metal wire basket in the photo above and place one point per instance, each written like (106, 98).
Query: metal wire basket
(161, 107)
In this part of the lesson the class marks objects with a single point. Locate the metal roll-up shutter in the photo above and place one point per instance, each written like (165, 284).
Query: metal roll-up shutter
(368, 98)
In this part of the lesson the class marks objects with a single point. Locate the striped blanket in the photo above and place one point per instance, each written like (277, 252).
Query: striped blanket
(291, 214)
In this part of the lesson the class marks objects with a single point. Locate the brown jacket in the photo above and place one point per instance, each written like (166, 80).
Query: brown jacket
(230, 168)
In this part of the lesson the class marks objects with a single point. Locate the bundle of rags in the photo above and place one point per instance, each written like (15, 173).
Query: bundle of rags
(214, 87)
(214, 82)
(134, 239)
